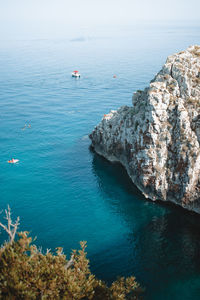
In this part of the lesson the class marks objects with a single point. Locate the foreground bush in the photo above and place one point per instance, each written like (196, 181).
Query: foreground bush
(27, 273)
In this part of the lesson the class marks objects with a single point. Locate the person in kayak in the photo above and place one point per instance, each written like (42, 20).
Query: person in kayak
(13, 161)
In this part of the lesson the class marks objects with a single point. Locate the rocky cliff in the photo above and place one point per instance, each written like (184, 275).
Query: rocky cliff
(157, 139)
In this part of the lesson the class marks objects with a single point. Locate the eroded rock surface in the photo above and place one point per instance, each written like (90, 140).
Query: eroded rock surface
(157, 139)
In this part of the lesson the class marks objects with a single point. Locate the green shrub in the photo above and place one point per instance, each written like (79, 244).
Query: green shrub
(27, 273)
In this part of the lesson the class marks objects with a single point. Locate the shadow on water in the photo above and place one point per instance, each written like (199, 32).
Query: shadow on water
(161, 246)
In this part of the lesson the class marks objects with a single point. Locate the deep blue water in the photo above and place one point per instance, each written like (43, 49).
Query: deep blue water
(65, 193)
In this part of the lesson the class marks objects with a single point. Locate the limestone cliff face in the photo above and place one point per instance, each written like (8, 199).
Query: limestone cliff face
(157, 139)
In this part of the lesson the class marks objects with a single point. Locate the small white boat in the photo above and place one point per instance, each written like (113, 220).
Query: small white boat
(13, 161)
(76, 74)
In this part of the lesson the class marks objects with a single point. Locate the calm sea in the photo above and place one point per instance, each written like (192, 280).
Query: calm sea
(63, 192)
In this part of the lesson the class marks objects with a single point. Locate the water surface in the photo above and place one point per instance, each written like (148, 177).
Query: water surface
(65, 193)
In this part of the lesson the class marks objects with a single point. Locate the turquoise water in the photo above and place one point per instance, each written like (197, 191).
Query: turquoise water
(65, 193)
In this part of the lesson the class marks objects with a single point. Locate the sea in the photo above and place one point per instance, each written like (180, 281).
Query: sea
(65, 193)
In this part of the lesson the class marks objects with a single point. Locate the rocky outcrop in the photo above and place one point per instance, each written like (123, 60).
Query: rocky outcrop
(157, 139)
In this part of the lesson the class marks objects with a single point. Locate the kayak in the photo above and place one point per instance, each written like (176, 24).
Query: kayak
(13, 161)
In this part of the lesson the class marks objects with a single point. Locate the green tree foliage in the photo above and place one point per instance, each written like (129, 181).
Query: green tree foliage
(27, 273)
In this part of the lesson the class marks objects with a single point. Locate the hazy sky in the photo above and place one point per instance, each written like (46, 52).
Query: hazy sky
(57, 17)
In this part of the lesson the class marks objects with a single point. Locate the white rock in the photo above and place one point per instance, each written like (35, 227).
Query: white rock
(157, 139)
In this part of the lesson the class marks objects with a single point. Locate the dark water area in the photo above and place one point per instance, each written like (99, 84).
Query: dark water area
(163, 242)
(64, 192)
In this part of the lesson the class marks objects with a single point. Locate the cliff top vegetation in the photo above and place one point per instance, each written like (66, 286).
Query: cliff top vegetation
(28, 273)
